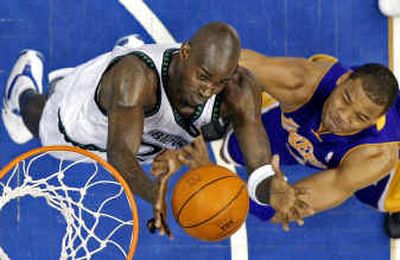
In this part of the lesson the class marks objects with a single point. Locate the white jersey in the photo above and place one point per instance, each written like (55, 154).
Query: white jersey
(81, 122)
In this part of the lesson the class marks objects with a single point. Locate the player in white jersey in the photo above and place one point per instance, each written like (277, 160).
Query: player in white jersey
(85, 123)
(132, 103)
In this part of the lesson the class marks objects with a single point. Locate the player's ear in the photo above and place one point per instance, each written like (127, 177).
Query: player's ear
(343, 78)
(185, 49)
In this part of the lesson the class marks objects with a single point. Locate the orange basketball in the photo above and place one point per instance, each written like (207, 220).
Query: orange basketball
(210, 203)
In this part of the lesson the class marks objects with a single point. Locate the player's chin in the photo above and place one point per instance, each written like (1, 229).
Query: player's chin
(337, 129)
(331, 127)
(196, 100)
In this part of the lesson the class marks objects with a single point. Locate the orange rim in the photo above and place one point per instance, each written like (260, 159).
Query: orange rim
(111, 169)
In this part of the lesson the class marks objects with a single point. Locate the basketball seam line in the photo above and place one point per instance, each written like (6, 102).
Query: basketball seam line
(201, 188)
(217, 213)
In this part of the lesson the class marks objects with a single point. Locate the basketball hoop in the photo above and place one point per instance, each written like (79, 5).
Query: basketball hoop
(91, 196)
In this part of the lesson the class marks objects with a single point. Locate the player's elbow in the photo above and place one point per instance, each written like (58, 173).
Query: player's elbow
(341, 183)
(348, 185)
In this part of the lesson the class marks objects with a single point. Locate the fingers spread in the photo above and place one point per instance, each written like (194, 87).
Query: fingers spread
(285, 222)
(159, 168)
(166, 227)
(303, 208)
(301, 191)
(182, 159)
(159, 223)
(277, 218)
(296, 216)
(187, 150)
(157, 220)
(199, 143)
(276, 167)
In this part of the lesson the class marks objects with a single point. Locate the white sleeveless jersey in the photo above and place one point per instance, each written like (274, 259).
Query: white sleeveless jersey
(82, 123)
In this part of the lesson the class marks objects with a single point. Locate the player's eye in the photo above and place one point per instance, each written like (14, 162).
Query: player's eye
(224, 81)
(363, 118)
(346, 99)
(203, 77)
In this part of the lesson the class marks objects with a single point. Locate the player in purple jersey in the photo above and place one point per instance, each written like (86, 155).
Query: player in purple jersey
(342, 121)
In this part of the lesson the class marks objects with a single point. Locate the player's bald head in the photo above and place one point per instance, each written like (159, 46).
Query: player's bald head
(215, 45)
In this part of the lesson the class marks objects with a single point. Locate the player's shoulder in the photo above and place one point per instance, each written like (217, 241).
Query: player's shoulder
(135, 67)
(132, 64)
(132, 80)
(321, 63)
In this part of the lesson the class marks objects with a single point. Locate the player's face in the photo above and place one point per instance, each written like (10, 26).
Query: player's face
(203, 81)
(348, 109)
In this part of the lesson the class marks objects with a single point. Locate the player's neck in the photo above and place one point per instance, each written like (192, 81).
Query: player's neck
(175, 84)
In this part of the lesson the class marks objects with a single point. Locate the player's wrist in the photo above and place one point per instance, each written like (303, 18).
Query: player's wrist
(263, 191)
(259, 184)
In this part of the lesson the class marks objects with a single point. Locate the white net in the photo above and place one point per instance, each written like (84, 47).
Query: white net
(96, 211)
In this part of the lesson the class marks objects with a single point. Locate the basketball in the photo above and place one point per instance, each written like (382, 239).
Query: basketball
(210, 203)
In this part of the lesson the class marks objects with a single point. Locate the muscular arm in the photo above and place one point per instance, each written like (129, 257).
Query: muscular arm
(243, 101)
(361, 167)
(131, 92)
(289, 80)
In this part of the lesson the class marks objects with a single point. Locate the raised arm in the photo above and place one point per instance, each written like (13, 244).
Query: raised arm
(242, 103)
(361, 167)
(134, 90)
(289, 80)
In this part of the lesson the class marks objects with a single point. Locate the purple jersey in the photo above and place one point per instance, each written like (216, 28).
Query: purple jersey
(294, 135)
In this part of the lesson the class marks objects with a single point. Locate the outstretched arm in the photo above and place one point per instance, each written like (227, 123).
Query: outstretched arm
(125, 118)
(242, 99)
(361, 167)
(133, 91)
(242, 104)
(289, 80)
